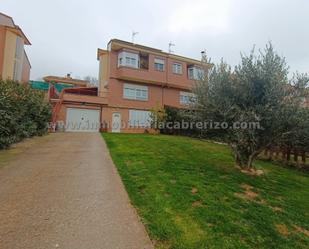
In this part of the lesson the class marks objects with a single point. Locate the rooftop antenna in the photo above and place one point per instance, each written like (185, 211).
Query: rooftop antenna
(134, 33)
(203, 55)
(170, 45)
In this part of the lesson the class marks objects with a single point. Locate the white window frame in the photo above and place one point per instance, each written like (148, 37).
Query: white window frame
(177, 68)
(187, 98)
(135, 92)
(139, 118)
(195, 73)
(161, 62)
(128, 59)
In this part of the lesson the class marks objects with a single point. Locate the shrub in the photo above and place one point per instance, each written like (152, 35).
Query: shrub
(23, 112)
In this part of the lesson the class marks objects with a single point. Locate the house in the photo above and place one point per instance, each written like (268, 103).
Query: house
(14, 62)
(133, 79)
(136, 78)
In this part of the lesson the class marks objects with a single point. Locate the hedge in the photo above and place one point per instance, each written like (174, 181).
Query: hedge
(23, 112)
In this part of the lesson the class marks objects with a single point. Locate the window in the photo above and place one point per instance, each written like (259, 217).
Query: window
(177, 68)
(191, 73)
(187, 98)
(143, 61)
(195, 73)
(18, 60)
(135, 92)
(128, 59)
(159, 65)
(139, 118)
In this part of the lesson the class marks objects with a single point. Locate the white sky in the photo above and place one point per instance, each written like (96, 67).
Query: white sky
(65, 34)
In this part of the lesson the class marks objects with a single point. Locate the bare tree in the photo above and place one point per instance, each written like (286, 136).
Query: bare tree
(92, 80)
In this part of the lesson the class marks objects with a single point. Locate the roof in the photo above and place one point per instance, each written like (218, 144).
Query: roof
(8, 22)
(100, 52)
(67, 80)
(125, 44)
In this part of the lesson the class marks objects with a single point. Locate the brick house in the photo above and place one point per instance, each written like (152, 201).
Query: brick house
(14, 62)
(133, 79)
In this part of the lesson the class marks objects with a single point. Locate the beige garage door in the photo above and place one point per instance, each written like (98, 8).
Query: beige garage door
(82, 120)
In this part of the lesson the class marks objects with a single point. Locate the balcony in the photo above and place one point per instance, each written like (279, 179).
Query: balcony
(69, 97)
(84, 95)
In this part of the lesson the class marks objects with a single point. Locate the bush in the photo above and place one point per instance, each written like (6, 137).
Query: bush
(23, 112)
(176, 116)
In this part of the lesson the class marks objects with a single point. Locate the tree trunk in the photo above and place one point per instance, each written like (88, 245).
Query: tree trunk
(303, 157)
(296, 156)
(277, 153)
(270, 157)
(288, 155)
(283, 155)
(245, 160)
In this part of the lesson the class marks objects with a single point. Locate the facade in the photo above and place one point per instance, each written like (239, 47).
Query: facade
(136, 79)
(133, 79)
(14, 62)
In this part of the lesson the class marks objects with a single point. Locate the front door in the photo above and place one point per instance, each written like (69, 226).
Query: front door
(116, 123)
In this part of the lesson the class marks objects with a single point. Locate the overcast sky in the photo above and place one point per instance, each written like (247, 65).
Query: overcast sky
(65, 34)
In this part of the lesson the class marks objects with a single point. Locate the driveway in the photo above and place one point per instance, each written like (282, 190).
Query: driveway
(63, 191)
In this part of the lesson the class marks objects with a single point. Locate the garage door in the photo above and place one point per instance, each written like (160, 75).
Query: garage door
(82, 120)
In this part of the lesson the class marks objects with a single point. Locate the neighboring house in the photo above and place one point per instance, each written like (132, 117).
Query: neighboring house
(14, 62)
(133, 79)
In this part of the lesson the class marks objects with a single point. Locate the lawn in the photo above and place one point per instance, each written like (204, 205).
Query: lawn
(189, 195)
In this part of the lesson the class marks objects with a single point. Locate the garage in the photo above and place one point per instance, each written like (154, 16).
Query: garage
(82, 120)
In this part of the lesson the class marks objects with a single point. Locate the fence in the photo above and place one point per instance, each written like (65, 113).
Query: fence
(289, 156)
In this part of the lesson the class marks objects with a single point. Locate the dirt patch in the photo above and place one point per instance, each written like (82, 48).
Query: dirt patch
(252, 172)
(194, 191)
(246, 186)
(197, 204)
(277, 209)
(302, 230)
(282, 229)
(248, 194)
(162, 244)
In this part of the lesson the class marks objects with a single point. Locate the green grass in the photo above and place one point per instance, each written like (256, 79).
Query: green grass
(189, 195)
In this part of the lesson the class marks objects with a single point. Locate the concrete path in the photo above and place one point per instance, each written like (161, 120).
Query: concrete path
(63, 191)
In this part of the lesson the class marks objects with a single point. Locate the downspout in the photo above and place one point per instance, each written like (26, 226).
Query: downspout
(101, 128)
(166, 79)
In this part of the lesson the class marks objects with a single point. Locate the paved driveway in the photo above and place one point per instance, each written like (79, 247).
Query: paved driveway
(63, 191)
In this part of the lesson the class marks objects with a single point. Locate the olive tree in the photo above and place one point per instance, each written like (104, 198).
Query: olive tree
(255, 99)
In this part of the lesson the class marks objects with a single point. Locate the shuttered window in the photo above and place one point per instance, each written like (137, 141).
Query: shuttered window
(139, 118)
(136, 92)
